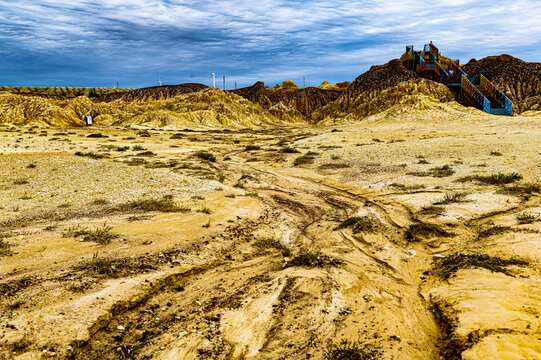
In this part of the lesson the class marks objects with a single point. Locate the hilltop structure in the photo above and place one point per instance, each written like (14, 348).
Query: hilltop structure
(470, 91)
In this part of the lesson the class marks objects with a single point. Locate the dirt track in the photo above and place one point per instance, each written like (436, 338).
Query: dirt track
(258, 266)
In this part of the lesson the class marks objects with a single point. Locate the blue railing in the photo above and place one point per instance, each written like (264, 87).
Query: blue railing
(478, 96)
(497, 95)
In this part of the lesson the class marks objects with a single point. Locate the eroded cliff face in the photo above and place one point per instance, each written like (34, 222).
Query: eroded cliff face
(519, 80)
(210, 107)
(301, 100)
(382, 77)
(153, 93)
(38, 110)
(381, 88)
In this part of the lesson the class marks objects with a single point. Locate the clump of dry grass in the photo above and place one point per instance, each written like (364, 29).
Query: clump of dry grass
(493, 230)
(312, 260)
(431, 210)
(305, 159)
(493, 179)
(102, 235)
(439, 171)
(332, 166)
(454, 197)
(350, 350)
(205, 156)
(405, 187)
(449, 265)
(289, 150)
(417, 232)
(90, 154)
(524, 190)
(5, 248)
(361, 224)
(271, 243)
(527, 217)
(147, 205)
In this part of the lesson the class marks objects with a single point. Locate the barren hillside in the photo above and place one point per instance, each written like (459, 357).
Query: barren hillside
(519, 80)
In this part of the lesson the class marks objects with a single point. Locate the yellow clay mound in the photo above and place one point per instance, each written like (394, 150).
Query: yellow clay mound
(406, 96)
(286, 85)
(211, 107)
(22, 110)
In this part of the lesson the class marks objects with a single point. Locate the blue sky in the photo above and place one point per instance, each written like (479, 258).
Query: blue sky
(100, 42)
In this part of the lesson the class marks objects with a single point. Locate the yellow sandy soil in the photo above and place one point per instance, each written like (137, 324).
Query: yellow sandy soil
(224, 280)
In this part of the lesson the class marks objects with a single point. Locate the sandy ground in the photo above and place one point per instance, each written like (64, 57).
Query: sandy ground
(255, 260)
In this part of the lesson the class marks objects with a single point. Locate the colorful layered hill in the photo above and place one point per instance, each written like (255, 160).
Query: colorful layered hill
(384, 89)
(288, 97)
(60, 93)
(206, 108)
(379, 89)
(153, 93)
(519, 80)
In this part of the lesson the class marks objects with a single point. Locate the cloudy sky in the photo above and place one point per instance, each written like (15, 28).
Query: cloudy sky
(100, 42)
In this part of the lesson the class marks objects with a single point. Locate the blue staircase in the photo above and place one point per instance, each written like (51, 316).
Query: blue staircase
(479, 91)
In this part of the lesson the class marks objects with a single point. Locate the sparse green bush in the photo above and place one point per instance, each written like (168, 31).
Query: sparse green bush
(137, 148)
(252, 147)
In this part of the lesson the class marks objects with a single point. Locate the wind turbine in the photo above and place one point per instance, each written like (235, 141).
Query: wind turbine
(213, 76)
(159, 81)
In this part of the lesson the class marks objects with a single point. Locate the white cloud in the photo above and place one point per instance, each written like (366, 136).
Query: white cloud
(267, 36)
